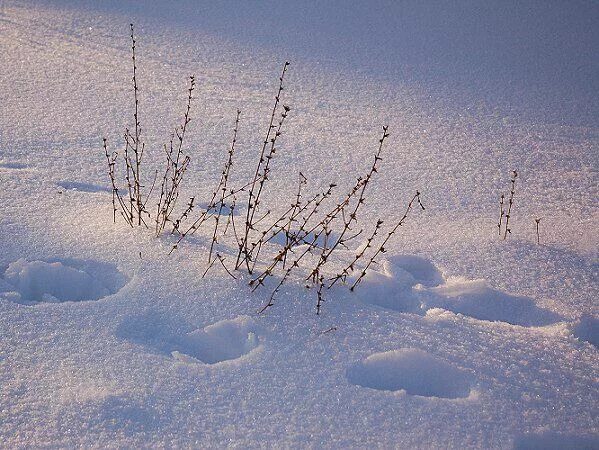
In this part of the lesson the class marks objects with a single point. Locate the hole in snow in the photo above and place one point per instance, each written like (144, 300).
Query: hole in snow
(221, 341)
(413, 371)
(587, 329)
(60, 280)
(421, 269)
(389, 292)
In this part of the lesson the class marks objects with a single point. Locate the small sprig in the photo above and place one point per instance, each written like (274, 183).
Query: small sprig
(176, 165)
(510, 203)
(111, 160)
(501, 213)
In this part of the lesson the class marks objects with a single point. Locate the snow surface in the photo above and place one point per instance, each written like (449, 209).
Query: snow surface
(459, 339)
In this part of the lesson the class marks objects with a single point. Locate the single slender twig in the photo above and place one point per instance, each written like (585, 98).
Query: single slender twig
(225, 178)
(253, 198)
(510, 203)
(501, 213)
(137, 145)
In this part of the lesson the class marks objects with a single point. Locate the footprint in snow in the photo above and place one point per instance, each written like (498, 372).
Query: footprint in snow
(475, 298)
(82, 187)
(411, 370)
(394, 286)
(587, 329)
(413, 284)
(59, 280)
(225, 340)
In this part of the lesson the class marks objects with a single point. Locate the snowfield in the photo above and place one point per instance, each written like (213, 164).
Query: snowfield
(456, 338)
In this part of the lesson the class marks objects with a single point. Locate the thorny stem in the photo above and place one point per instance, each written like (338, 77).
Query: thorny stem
(322, 227)
(319, 294)
(224, 179)
(299, 237)
(175, 167)
(292, 211)
(206, 214)
(111, 159)
(188, 210)
(128, 175)
(296, 205)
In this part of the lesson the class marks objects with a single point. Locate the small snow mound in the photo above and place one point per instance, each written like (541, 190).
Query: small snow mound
(555, 441)
(421, 269)
(587, 329)
(475, 298)
(411, 370)
(62, 281)
(222, 341)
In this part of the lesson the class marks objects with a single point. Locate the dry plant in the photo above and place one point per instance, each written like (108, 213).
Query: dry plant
(309, 233)
(132, 205)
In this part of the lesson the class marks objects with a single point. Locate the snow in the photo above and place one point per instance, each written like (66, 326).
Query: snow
(457, 339)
